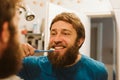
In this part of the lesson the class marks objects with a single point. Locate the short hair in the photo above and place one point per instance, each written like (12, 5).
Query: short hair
(73, 19)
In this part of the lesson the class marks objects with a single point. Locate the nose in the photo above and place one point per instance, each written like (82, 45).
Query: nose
(57, 39)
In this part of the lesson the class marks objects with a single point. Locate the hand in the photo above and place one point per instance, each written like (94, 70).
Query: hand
(28, 50)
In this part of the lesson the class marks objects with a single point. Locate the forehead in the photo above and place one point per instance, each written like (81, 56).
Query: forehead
(62, 25)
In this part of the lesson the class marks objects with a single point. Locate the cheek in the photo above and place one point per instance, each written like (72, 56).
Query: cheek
(51, 40)
(70, 41)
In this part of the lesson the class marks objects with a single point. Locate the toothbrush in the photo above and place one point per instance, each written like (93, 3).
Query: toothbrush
(39, 51)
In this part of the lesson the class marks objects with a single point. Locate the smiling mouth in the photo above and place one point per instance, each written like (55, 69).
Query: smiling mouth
(59, 47)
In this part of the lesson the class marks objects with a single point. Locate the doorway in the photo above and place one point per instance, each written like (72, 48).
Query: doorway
(103, 44)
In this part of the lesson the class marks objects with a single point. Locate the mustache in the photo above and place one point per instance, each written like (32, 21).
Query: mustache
(53, 45)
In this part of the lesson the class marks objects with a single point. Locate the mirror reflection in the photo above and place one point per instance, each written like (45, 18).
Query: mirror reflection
(101, 42)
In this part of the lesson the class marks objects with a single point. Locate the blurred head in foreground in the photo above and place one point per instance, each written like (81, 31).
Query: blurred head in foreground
(10, 51)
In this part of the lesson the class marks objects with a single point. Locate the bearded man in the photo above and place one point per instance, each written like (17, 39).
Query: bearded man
(67, 34)
(10, 50)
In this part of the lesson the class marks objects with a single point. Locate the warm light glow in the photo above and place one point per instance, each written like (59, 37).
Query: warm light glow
(59, 3)
(34, 2)
(41, 4)
(78, 1)
(51, 1)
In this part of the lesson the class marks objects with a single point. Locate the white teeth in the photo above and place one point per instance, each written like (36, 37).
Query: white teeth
(52, 49)
(58, 47)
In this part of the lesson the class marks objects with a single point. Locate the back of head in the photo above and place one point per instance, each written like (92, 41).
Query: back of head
(73, 19)
(10, 61)
(7, 11)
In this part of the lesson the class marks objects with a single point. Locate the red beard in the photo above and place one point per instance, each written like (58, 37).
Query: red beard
(11, 59)
(68, 58)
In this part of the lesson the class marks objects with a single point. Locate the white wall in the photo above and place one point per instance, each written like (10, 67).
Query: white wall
(89, 7)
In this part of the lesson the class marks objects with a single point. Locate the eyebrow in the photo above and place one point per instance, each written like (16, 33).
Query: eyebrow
(67, 30)
(62, 30)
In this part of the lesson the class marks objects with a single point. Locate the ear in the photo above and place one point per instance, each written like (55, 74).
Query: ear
(5, 33)
(80, 41)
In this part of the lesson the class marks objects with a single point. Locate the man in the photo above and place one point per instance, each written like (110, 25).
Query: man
(67, 35)
(10, 51)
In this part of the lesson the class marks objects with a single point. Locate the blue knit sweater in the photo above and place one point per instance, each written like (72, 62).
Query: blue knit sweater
(39, 68)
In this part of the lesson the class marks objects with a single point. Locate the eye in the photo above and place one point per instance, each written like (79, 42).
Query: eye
(66, 33)
(53, 33)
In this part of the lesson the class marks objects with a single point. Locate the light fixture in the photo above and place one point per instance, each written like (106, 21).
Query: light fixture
(29, 15)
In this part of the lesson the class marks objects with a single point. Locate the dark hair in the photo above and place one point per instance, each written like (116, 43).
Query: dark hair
(14, 58)
(72, 19)
(7, 11)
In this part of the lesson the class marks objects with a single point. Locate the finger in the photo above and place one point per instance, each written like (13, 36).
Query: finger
(22, 53)
(25, 49)
(30, 49)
